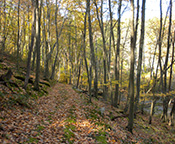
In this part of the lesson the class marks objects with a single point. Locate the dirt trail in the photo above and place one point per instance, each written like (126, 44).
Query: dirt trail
(58, 117)
(64, 116)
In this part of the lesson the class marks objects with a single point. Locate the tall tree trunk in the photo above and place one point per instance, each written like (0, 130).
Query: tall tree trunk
(157, 43)
(38, 37)
(57, 38)
(28, 20)
(117, 55)
(47, 42)
(122, 61)
(44, 38)
(172, 60)
(18, 45)
(56, 57)
(139, 67)
(168, 48)
(4, 28)
(31, 43)
(24, 36)
(80, 64)
(160, 44)
(84, 53)
(70, 58)
(92, 50)
(105, 60)
(131, 108)
(127, 100)
(166, 98)
(113, 45)
(75, 70)
(136, 25)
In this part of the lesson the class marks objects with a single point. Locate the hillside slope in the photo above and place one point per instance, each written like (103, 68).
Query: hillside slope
(64, 116)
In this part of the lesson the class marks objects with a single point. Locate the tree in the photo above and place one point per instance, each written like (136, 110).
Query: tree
(117, 55)
(105, 63)
(172, 61)
(57, 43)
(135, 41)
(166, 99)
(38, 37)
(4, 27)
(92, 55)
(31, 43)
(113, 40)
(70, 58)
(132, 59)
(47, 42)
(160, 45)
(84, 54)
(139, 67)
(18, 40)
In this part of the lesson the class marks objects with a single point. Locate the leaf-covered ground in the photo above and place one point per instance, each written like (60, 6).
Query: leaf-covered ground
(65, 116)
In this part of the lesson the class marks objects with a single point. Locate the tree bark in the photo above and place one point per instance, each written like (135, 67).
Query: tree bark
(84, 53)
(47, 42)
(57, 43)
(139, 67)
(80, 64)
(166, 98)
(18, 39)
(24, 36)
(92, 49)
(172, 59)
(168, 48)
(38, 37)
(117, 55)
(31, 44)
(4, 28)
(113, 45)
(105, 63)
(56, 57)
(132, 61)
(160, 44)
(70, 58)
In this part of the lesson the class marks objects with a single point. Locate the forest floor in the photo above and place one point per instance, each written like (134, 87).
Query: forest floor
(65, 116)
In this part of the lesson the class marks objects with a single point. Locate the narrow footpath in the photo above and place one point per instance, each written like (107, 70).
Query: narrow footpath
(64, 117)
